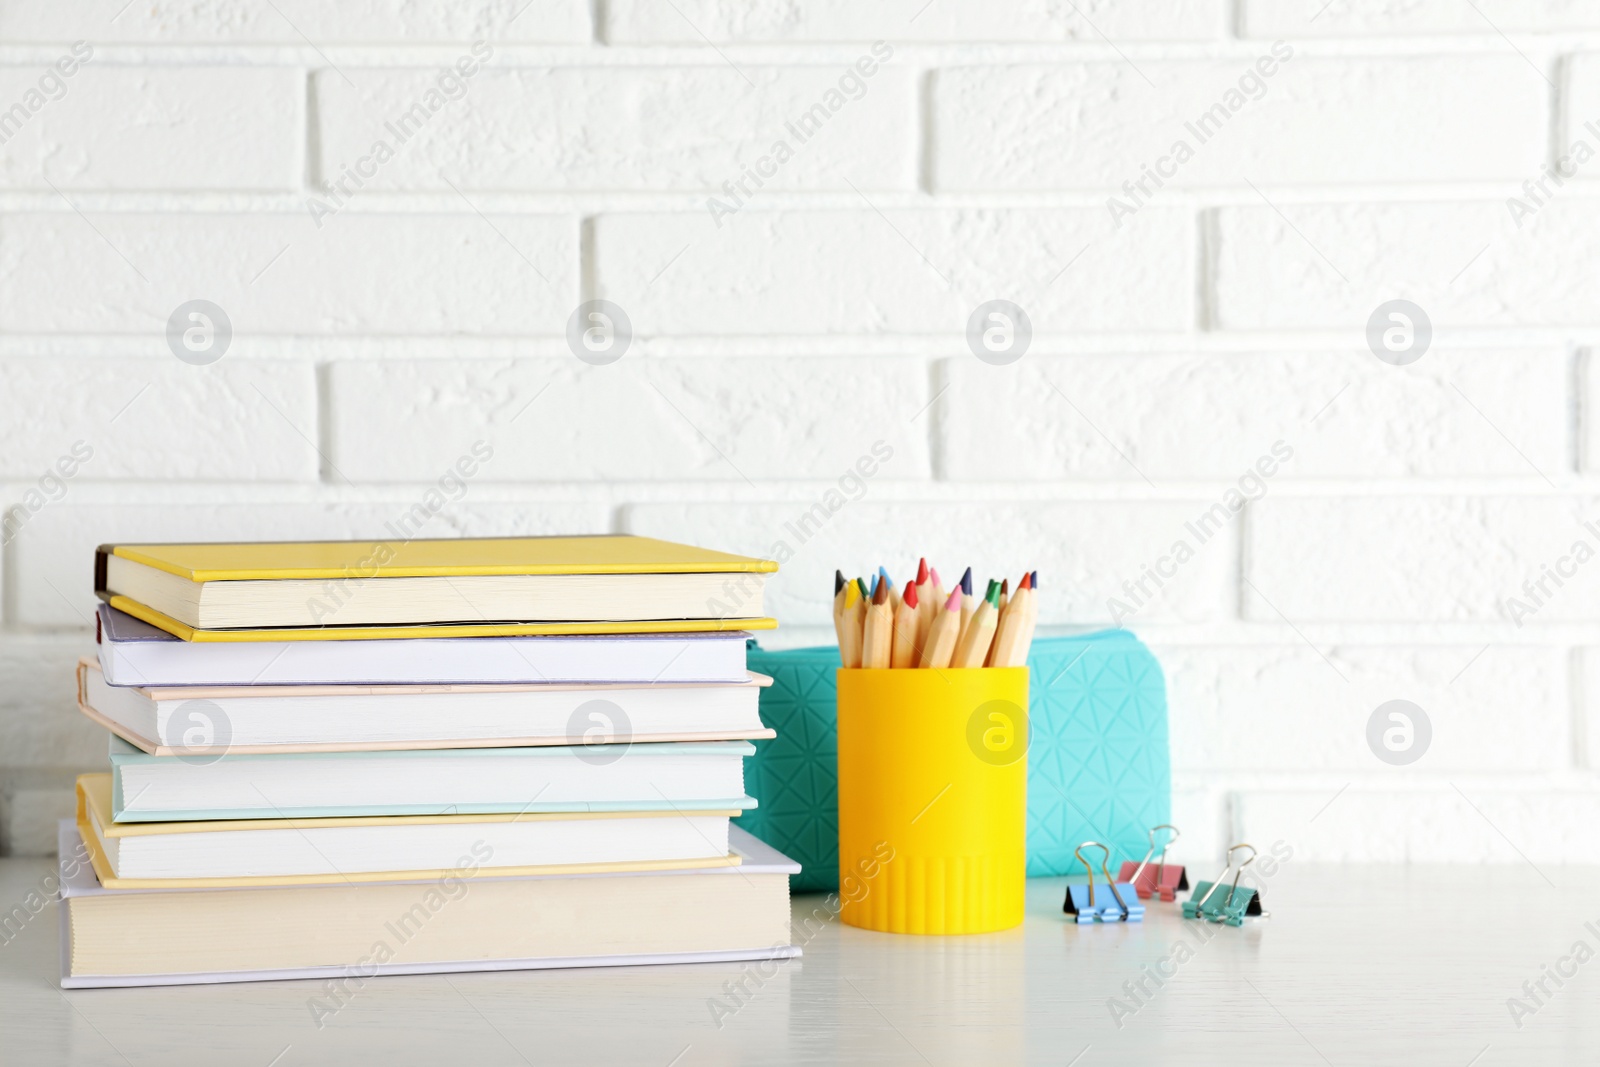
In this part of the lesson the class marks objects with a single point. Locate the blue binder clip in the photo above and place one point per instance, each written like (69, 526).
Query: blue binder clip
(1233, 907)
(1123, 905)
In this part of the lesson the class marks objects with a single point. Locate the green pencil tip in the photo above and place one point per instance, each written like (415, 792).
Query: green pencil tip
(993, 593)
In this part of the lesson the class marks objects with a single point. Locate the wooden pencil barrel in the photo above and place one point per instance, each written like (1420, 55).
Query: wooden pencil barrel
(933, 789)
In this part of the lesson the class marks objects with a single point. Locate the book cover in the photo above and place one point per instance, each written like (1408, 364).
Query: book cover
(458, 557)
(185, 632)
(79, 883)
(122, 754)
(94, 802)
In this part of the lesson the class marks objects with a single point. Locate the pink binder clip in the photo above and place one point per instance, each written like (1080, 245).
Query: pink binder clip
(1164, 881)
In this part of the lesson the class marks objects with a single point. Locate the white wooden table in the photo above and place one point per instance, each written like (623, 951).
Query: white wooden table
(1358, 965)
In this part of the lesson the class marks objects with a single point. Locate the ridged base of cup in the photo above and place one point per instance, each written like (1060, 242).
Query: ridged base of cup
(941, 895)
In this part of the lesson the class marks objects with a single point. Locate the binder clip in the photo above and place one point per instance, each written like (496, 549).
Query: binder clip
(1167, 882)
(1232, 908)
(1123, 906)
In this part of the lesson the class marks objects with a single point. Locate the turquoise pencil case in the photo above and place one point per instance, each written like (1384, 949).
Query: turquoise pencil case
(1098, 763)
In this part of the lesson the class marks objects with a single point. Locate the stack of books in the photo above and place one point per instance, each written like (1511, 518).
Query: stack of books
(344, 759)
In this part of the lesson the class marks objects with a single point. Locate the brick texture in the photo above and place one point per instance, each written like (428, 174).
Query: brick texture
(1205, 123)
(802, 209)
(652, 128)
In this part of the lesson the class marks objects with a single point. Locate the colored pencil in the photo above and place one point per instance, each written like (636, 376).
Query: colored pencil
(877, 634)
(850, 626)
(973, 647)
(903, 652)
(925, 601)
(999, 621)
(933, 599)
(969, 603)
(1027, 623)
(917, 625)
(941, 643)
(1008, 650)
(838, 598)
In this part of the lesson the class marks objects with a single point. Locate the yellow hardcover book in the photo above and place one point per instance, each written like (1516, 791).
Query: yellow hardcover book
(454, 557)
(480, 843)
(481, 587)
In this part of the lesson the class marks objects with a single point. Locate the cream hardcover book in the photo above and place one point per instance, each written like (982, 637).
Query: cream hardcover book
(464, 919)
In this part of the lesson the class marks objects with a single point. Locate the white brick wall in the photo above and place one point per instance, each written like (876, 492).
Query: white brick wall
(372, 22)
(129, 128)
(792, 307)
(772, 21)
(1094, 126)
(630, 129)
(867, 271)
(558, 420)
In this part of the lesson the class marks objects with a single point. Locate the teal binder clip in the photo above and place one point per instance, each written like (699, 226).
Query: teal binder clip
(1081, 902)
(1236, 905)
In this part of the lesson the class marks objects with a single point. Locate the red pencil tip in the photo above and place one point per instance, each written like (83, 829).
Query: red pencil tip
(1026, 583)
(922, 571)
(910, 597)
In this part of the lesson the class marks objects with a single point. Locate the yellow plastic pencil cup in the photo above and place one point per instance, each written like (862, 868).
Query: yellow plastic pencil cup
(933, 797)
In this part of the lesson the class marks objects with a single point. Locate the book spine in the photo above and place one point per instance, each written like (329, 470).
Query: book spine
(100, 555)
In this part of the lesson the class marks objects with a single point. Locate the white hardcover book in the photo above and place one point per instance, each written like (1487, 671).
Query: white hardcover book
(132, 652)
(193, 721)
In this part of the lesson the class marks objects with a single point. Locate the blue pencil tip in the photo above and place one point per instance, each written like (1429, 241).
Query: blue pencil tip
(966, 583)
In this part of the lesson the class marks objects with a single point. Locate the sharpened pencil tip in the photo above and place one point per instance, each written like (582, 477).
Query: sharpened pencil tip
(838, 581)
(880, 593)
(966, 582)
(922, 571)
(954, 603)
